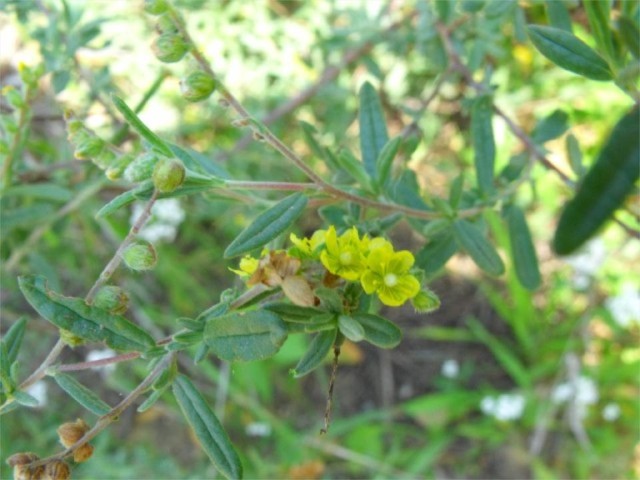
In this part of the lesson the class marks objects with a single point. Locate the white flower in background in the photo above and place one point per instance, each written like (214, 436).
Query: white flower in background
(99, 355)
(258, 429)
(450, 368)
(505, 407)
(166, 216)
(586, 262)
(611, 412)
(39, 391)
(582, 392)
(625, 308)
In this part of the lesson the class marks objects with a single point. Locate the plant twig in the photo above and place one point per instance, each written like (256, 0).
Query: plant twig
(74, 367)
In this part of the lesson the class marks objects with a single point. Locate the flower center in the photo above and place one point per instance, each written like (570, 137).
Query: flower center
(346, 258)
(390, 280)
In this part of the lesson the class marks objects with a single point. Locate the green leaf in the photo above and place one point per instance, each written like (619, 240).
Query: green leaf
(126, 198)
(23, 398)
(406, 191)
(85, 321)
(268, 225)
(435, 254)
(152, 399)
(471, 239)
(550, 127)
(350, 328)
(575, 155)
(293, 313)
(309, 131)
(6, 379)
(385, 160)
(604, 188)
(13, 339)
(569, 52)
(316, 353)
(373, 129)
(630, 34)
(354, 168)
(207, 428)
(558, 15)
(42, 191)
(378, 330)
(483, 141)
(81, 394)
(523, 252)
(598, 15)
(132, 119)
(503, 353)
(245, 336)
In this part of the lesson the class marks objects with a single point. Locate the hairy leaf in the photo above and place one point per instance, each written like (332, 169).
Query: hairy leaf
(569, 52)
(483, 141)
(316, 353)
(523, 252)
(245, 336)
(81, 394)
(471, 239)
(373, 130)
(85, 321)
(604, 188)
(268, 225)
(378, 330)
(207, 428)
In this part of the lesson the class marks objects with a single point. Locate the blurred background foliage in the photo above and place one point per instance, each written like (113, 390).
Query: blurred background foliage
(499, 383)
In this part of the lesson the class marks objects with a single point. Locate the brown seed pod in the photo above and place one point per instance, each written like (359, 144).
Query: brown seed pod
(71, 432)
(22, 458)
(56, 470)
(83, 453)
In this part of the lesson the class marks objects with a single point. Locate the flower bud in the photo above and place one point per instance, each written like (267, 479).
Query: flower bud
(104, 159)
(141, 168)
(56, 470)
(155, 7)
(13, 96)
(197, 86)
(166, 24)
(169, 48)
(140, 256)
(113, 299)
(89, 147)
(168, 174)
(70, 432)
(426, 301)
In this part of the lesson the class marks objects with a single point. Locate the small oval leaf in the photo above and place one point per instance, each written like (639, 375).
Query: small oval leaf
(523, 252)
(385, 160)
(378, 330)
(207, 428)
(350, 328)
(12, 340)
(484, 145)
(569, 52)
(471, 239)
(268, 225)
(293, 313)
(81, 394)
(316, 353)
(604, 187)
(373, 129)
(245, 336)
(85, 321)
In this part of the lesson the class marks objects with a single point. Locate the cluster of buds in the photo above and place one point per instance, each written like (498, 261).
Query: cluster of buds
(373, 263)
(69, 433)
(167, 173)
(89, 146)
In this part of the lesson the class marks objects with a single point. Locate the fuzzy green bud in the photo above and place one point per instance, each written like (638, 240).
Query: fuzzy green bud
(140, 256)
(426, 301)
(197, 86)
(166, 24)
(104, 159)
(112, 299)
(155, 7)
(117, 168)
(141, 168)
(169, 48)
(168, 174)
(13, 96)
(89, 147)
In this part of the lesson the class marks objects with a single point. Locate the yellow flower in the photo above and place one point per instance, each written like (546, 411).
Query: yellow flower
(388, 275)
(248, 265)
(307, 247)
(345, 255)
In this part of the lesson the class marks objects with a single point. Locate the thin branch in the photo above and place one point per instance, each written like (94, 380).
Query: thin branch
(73, 367)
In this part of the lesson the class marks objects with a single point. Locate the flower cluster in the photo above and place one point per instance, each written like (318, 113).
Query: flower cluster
(372, 262)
